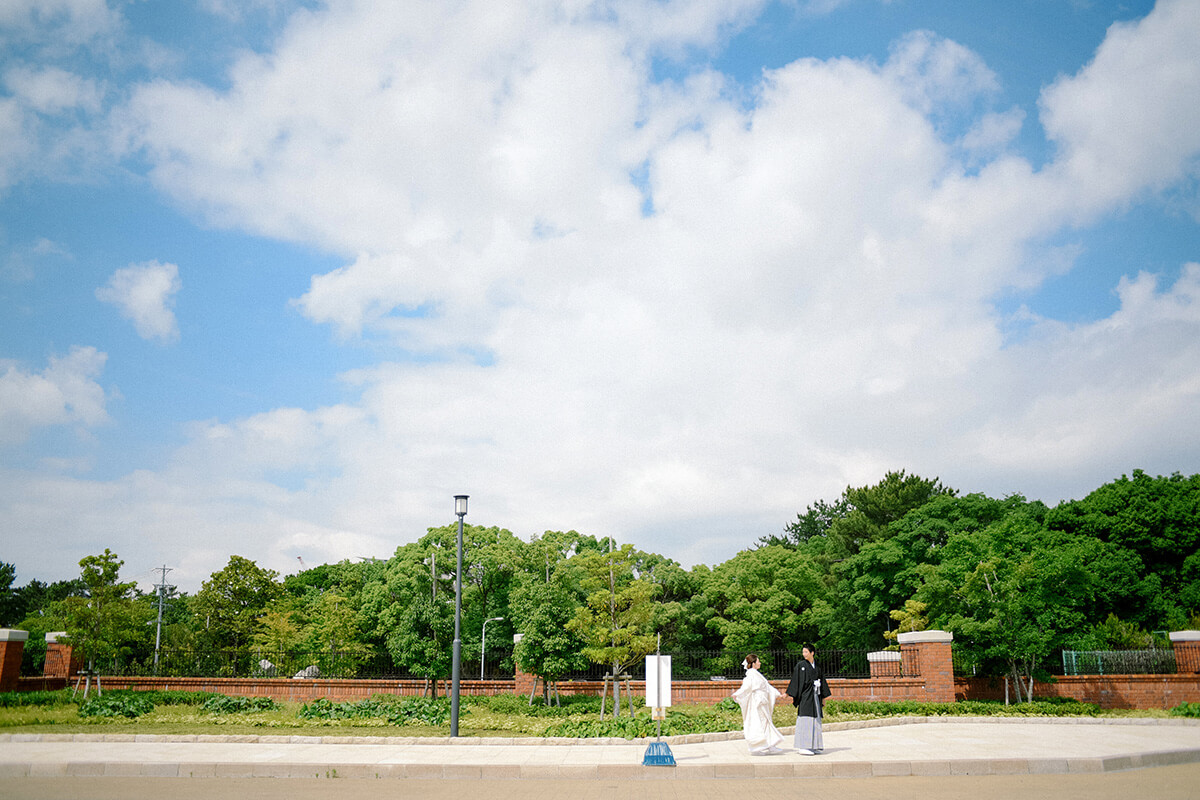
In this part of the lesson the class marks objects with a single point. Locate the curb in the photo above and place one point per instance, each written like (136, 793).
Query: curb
(537, 741)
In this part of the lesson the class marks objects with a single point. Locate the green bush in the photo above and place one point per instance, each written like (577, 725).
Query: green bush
(1056, 707)
(396, 710)
(565, 705)
(224, 704)
(1186, 709)
(62, 697)
(114, 704)
(161, 697)
(421, 711)
(680, 721)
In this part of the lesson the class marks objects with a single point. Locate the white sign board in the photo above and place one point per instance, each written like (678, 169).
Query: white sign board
(658, 681)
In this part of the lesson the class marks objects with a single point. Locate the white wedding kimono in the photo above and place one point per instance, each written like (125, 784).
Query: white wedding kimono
(757, 698)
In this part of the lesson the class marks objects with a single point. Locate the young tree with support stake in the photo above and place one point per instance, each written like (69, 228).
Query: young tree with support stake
(617, 618)
(107, 617)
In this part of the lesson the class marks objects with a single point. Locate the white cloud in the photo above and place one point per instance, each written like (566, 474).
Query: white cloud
(1130, 120)
(931, 71)
(60, 23)
(40, 128)
(65, 393)
(145, 294)
(51, 90)
(993, 132)
(809, 305)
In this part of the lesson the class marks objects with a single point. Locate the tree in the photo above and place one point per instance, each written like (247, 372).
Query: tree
(1014, 591)
(411, 606)
(42, 612)
(107, 620)
(885, 572)
(763, 599)
(873, 508)
(231, 603)
(862, 514)
(548, 648)
(815, 521)
(1158, 520)
(11, 607)
(615, 620)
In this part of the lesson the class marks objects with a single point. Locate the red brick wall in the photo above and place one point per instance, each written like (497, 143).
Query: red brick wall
(1106, 691)
(523, 682)
(10, 664)
(60, 661)
(1187, 657)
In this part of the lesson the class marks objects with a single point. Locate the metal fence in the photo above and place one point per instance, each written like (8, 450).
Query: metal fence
(257, 663)
(1153, 661)
(727, 665)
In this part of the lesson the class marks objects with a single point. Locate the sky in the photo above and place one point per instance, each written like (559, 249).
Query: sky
(279, 278)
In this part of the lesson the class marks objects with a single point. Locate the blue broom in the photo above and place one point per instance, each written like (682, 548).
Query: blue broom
(658, 754)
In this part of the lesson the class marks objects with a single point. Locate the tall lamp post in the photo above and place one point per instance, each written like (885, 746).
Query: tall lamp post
(460, 509)
(483, 644)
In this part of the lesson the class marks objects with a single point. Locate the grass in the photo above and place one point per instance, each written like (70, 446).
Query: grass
(504, 715)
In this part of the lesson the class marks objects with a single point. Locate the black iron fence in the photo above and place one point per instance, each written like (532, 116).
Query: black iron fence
(727, 665)
(1154, 661)
(258, 663)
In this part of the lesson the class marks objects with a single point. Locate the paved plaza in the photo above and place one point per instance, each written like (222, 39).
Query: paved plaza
(910, 747)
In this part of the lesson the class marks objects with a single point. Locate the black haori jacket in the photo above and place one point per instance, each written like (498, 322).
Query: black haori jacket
(801, 689)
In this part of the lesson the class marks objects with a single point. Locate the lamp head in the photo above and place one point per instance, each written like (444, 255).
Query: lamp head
(460, 504)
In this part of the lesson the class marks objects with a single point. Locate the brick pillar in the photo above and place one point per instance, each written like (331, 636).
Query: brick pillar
(60, 662)
(523, 682)
(12, 647)
(884, 664)
(1186, 645)
(930, 652)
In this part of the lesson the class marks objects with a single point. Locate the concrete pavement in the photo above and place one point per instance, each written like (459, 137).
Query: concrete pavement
(919, 747)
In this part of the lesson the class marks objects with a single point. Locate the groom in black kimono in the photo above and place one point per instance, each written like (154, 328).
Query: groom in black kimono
(808, 692)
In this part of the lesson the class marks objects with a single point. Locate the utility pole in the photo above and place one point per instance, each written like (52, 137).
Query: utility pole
(162, 591)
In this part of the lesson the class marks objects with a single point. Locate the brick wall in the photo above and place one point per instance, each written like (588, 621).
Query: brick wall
(12, 647)
(60, 658)
(929, 654)
(304, 690)
(1106, 691)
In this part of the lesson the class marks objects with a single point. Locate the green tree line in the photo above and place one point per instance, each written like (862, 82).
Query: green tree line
(1014, 580)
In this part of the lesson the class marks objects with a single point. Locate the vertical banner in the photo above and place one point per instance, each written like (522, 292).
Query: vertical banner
(658, 681)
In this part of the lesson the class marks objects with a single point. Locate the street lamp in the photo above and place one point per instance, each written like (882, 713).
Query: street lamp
(460, 509)
(483, 644)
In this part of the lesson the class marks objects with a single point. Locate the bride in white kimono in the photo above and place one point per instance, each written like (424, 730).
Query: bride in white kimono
(757, 698)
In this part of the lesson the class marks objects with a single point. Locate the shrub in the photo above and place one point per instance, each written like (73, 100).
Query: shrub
(61, 697)
(1056, 707)
(680, 721)
(162, 697)
(728, 704)
(224, 704)
(1186, 709)
(114, 704)
(397, 711)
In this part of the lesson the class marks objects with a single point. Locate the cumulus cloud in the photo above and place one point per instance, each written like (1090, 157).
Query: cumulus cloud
(145, 295)
(57, 23)
(795, 293)
(1130, 121)
(41, 132)
(66, 392)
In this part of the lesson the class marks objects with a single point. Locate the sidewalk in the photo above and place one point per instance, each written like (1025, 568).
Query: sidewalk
(935, 746)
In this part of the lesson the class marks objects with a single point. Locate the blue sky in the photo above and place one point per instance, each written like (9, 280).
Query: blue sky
(280, 278)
